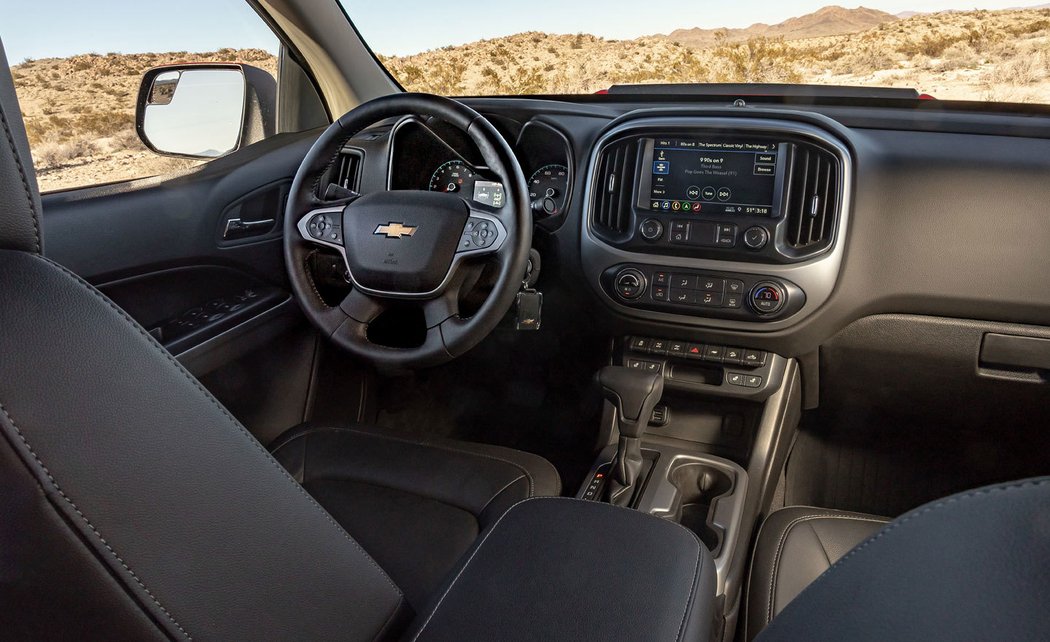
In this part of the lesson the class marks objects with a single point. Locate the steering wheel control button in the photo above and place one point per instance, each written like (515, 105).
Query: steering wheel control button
(767, 298)
(755, 238)
(651, 229)
(325, 227)
(630, 284)
(478, 234)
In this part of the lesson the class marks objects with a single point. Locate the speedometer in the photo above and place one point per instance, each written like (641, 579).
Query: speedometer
(547, 188)
(453, 176)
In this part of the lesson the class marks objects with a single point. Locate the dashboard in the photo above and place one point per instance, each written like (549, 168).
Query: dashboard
(773, 226)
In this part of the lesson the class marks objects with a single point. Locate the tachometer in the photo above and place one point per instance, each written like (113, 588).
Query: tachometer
(453, 176)
(547, 188)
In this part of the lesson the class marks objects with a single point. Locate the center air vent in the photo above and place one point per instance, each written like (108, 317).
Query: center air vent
(813, 184)
(612, 188)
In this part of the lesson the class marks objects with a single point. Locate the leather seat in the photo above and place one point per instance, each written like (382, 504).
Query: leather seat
(136, 507)
(415, 505)
(795, 546)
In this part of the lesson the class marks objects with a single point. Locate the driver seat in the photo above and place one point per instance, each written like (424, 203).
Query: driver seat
(136, 507)
(416, 505)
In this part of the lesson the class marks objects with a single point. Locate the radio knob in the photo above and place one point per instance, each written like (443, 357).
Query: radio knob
(651, 229)
(629, 283)
(767, 298)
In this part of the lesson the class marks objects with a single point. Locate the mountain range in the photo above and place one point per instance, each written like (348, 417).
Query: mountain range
(828, 21)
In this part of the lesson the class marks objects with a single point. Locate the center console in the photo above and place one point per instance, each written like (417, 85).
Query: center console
(716, 221)
(697, 434)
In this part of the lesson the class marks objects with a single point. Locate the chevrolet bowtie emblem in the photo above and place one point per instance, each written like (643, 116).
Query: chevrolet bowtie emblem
(395, 230)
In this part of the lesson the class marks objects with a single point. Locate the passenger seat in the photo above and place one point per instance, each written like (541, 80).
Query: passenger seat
(795, 545)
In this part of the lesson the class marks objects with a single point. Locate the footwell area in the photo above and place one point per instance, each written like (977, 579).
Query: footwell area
(533, 391)
(886, 465)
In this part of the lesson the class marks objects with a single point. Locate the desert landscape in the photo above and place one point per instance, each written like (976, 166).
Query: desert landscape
(80, 110)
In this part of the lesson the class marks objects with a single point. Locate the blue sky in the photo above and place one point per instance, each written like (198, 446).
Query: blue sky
(400, 27)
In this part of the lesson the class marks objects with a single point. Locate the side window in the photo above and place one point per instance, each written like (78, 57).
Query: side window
(79, 103)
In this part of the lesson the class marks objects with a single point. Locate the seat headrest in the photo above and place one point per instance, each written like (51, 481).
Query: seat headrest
(19, 198)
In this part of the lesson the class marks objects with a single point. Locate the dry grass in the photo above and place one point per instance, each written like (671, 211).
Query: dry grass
(962, 55)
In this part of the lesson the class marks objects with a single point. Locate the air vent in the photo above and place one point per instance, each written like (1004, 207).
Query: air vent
(612, 198)
(813, 190)
(348, 170)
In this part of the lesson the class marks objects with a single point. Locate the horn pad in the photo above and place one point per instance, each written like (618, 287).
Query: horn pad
(403, 242)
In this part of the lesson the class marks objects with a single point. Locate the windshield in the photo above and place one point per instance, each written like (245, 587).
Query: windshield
(947, 49)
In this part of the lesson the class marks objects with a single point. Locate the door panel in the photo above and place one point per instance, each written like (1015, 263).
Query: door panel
(219, 302)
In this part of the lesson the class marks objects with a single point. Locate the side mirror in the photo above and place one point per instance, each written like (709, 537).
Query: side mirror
(205, 110)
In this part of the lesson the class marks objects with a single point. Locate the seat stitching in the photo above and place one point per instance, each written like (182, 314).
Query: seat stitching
(945, 503)
(463, 568)
(25, 182)
(783, 538)
(244, 432)
(98, 535)
(524, 471)
(820, 543)
(692, 587)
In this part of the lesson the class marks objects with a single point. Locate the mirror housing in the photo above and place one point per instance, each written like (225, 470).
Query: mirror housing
(205, 110)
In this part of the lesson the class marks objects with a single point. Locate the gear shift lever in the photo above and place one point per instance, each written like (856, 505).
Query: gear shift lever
(634, 394)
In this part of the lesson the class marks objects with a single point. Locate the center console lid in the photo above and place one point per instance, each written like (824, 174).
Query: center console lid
(565, 569)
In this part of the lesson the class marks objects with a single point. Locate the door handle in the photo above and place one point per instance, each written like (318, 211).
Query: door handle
(237, 228)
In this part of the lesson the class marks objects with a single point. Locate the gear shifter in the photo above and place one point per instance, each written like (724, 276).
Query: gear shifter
(634, 394)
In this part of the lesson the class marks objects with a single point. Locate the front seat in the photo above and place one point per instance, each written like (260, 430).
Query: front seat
(973, 566)
(134, 506)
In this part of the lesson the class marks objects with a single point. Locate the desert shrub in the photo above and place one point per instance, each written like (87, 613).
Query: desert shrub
(1022, 70)
(931, 44)
(757, 60)
(127, 139)
(958, 56)
(52, 155)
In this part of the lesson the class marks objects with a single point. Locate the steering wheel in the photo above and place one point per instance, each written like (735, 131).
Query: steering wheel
(407, 247)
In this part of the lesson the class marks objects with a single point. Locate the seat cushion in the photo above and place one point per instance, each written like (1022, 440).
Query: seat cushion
(415, 505)
(796, 545)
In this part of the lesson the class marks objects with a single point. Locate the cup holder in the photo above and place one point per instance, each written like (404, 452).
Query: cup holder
(698, 486)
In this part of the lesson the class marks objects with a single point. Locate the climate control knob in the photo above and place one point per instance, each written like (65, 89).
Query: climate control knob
(629, 283)
(767, 298)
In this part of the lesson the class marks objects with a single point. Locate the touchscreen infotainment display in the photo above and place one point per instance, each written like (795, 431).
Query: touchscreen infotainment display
(699, 176)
